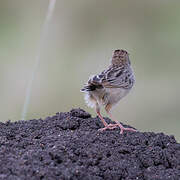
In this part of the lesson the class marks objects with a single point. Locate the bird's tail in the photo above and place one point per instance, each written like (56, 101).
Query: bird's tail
(92, 84)
(91, 87)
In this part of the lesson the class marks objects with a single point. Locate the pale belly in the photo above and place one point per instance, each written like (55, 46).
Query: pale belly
(115, 94)
(105, 96)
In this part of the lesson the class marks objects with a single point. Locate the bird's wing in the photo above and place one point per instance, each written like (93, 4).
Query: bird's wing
(113, 77)
(117, 77)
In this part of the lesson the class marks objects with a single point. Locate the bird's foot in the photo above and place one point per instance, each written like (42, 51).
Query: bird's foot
(126, 129)
(112, 126)
(108, 126)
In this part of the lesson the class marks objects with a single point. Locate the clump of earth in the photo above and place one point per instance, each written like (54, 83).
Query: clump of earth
(69, 146)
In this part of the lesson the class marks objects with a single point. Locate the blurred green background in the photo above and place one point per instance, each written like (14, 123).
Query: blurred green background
(81, 38)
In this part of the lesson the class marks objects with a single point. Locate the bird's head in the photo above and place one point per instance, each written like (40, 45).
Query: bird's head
(120, 57)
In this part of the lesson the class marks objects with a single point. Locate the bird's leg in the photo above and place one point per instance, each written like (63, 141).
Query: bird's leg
(101, 118)
(107, 108)
(106, 125)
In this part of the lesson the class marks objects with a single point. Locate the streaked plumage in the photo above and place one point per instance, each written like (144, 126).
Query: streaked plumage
(108, 87)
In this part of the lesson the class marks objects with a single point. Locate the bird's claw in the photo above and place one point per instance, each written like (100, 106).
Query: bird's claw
(112, 126)
(108, 126)
(127, 129)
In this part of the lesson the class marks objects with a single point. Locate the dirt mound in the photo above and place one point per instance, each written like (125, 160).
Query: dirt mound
(68, 146)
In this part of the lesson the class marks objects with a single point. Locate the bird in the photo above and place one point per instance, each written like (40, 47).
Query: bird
(107, 88)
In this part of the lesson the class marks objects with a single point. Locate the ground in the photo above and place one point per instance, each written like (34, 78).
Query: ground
(69, 146)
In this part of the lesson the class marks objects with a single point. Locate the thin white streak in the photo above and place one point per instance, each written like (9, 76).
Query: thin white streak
(38, 56)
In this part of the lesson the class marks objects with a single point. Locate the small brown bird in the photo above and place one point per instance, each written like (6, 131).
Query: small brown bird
(107, 88)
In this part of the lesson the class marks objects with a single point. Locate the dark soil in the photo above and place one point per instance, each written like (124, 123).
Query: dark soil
(68, 146)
